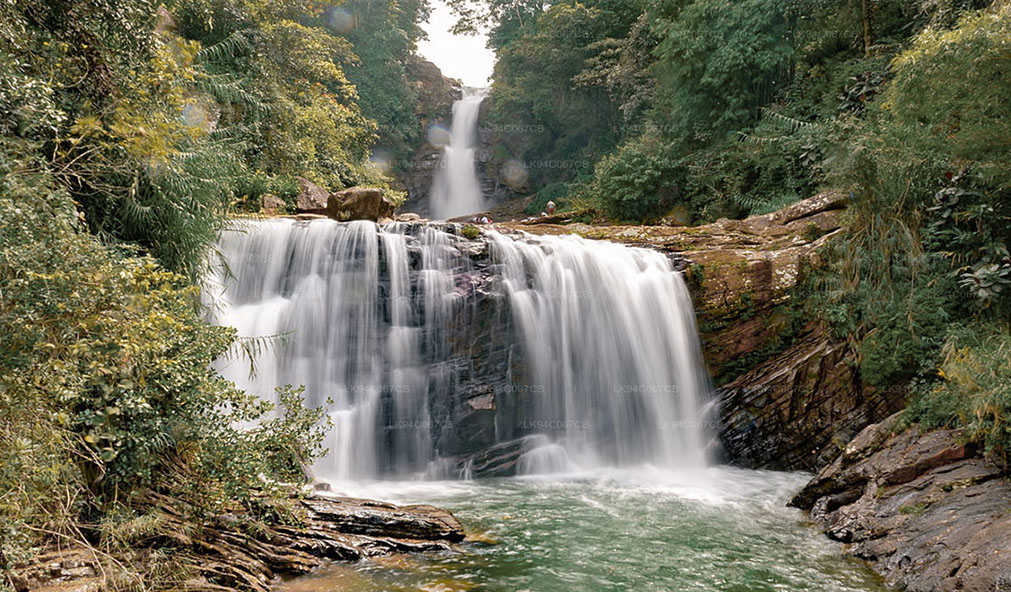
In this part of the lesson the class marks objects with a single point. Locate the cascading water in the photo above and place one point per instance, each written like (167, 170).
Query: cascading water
(456, 190)
(611, 342)
(587, 349)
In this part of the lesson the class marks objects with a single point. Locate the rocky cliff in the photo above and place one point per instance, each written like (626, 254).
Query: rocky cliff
(436, 94)
(925, 509)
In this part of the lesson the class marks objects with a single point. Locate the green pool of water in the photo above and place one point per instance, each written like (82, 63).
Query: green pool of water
(718, 529)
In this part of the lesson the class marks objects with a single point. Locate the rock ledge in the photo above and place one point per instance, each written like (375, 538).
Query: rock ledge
(226, 553)
(928, 512)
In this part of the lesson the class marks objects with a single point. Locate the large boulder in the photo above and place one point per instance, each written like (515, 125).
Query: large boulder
(925, 509)
(359, 203)
(272, 205)
(312, 199)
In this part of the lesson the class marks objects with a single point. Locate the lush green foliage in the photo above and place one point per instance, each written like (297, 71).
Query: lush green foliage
(923, 278)
(562, 124)
(105, 377)
(638, 181)
(277, 75)
(743, 107)
(126, 133)
(700, 109)
(717, 63)
(974, 390)
(94, 89)
(384, 35)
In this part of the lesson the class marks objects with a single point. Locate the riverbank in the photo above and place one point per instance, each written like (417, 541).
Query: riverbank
(235, 552)
(925, 508)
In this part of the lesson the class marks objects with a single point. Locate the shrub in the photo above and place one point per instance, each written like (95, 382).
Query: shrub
(641, 180)
(974, 390)
(105, 378)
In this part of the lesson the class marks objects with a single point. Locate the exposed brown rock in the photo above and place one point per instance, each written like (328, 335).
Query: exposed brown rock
(312, 199)
(272, 205)
(369, 517)
(924, 508)
(359, 203)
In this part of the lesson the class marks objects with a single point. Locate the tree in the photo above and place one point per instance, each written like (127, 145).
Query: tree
(718, 62)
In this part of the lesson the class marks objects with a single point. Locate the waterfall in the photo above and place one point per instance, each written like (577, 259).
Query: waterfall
(434, 347)
(456, 190)
(611, 341)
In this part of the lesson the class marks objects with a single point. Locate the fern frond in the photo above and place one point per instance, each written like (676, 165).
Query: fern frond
(252, 347)
(792, 124)
(230, 47)
(226, 88)
(743, 137)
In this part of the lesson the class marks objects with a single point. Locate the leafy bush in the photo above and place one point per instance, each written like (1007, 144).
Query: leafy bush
(639, 181)
(105, 377)
(974, 390)
(928, 233)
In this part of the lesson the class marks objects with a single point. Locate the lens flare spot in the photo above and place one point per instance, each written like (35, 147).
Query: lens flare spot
(341, 20)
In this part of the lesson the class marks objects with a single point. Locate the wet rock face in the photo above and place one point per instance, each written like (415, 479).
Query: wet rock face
(472, 401)
(924, 508)
(795, 410)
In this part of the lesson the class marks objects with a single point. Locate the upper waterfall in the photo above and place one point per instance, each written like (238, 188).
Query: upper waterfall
(456, 190)
(436, 348)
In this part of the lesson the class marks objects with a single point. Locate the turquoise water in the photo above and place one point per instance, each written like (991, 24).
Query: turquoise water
(717, 529)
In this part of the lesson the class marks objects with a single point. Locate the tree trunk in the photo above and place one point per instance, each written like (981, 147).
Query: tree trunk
(865, 9)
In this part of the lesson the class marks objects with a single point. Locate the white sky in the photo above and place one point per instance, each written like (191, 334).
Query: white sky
(458, 56)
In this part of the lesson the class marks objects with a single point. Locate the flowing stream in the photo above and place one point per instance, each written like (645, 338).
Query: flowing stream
(437, 348)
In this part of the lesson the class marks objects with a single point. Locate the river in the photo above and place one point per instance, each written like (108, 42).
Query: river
(716, 529)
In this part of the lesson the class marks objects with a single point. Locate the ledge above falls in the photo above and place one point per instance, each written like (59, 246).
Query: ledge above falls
(790, 394)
